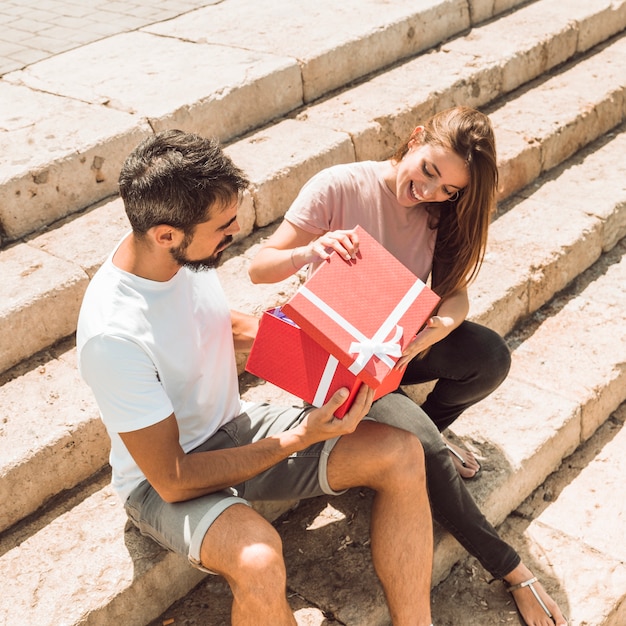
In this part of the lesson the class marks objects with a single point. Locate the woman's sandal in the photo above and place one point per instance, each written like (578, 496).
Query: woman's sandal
(530, 584)
(460, 459)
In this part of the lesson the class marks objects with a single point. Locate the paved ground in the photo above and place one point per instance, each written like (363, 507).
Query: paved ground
(32, 30)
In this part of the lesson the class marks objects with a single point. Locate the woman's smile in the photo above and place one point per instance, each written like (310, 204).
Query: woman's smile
(429, 173)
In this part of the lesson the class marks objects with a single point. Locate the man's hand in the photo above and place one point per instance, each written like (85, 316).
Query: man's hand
(320, 424)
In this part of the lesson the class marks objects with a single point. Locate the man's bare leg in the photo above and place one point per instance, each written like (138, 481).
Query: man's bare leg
(245, 548)
(391, 461)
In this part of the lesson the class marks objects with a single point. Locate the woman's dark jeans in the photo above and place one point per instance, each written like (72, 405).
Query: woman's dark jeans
(452, 504)
(468, 364)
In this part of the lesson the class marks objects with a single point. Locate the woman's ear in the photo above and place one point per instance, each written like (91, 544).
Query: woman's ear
(416, 135)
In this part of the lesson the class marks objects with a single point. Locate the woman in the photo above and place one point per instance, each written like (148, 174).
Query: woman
(429, 205)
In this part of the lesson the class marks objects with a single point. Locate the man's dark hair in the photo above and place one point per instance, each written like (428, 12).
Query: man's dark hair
(177, 178)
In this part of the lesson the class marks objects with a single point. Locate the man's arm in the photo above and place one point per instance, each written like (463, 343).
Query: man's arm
(245, 328)
(177, 476)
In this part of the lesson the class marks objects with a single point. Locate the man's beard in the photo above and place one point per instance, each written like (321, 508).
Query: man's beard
(200, 265)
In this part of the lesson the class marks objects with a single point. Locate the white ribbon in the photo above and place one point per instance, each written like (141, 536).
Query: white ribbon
(379, 336)
(325, 380)
(383, 350)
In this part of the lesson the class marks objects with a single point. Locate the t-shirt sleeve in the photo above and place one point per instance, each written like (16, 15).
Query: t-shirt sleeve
(125, 383)
(318, 208)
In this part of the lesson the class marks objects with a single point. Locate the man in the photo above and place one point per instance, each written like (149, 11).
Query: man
(156, 343)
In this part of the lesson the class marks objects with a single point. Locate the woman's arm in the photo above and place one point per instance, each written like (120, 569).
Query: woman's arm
(451, 313)
(291, 248)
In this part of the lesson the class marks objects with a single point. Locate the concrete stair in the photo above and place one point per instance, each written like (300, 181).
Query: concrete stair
(342, 83)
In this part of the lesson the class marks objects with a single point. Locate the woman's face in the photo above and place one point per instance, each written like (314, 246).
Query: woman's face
(429, 173)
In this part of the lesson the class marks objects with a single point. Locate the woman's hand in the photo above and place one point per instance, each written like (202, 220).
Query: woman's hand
(290, 248)
(344, 242)
(437, 327)
(451, 313)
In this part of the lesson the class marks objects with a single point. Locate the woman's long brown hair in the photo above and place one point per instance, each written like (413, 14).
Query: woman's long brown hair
(462, 224)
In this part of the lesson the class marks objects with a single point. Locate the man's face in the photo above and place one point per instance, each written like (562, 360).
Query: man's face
(203, 249)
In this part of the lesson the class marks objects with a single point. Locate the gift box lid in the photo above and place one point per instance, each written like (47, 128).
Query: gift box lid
(287, 357)
(364, 312)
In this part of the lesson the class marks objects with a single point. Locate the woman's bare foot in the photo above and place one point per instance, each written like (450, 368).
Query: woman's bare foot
(527, 605)
(464, 461)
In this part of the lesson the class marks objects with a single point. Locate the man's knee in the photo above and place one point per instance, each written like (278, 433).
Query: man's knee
(400, 453)
(262, 562)
(246, 549)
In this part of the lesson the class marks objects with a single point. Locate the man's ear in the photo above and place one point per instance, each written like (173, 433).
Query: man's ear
(166, 236)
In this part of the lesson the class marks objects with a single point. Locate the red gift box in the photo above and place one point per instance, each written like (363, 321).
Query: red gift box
(290, 359)
(364, 312)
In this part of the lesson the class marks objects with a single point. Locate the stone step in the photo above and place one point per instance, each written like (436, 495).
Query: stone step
(85, 121)
(565, 111)
(569, 532)
(51, 437)
(107, 573)
(198, 73)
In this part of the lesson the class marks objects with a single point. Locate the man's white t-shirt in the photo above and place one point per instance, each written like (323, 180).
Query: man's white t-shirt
(149, 349)
(355, 194)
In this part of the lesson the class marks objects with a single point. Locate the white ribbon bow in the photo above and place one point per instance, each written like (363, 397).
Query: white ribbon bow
(383, 350)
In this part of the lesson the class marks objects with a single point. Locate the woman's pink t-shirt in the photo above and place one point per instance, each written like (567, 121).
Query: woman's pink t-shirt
(344, 196)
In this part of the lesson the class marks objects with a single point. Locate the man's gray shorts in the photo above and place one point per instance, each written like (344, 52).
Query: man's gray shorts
(181, 526)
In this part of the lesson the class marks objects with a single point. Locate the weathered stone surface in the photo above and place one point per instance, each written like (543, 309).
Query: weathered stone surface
(521, 439)
(568, 532)
(34, 283)
(215, 103)
(562, 240)
(242, 294)
(588, 586)
(51, 436)
(104, 561)
(59, 155)
(89, 239)
(499, 295)
(585, 352)
(601, 191)
(458, 76)
(592, 103)
(593, 28)
(519, 154)
(538, 38)
(326, 37)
